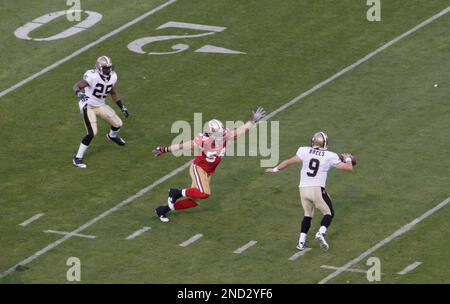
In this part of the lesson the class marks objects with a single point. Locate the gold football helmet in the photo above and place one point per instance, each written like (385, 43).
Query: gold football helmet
(104, 65)
(320, 141)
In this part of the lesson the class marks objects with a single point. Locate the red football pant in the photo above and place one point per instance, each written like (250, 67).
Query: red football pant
(185, 204)
(196, 193)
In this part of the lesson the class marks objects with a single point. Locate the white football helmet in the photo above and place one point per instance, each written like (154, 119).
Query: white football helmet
(215, 129)
(320, 141)
(104, 65)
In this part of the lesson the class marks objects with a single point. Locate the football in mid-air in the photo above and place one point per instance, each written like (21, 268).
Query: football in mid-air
(354, 161)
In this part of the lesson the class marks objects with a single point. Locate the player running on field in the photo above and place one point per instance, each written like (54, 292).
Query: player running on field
(211, 147)
(97, 84)
(316, 162)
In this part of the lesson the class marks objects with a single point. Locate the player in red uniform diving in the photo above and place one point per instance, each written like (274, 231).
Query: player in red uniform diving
(211, 146)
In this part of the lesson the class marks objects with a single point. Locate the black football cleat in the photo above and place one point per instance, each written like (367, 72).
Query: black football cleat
(78, 162)
(161, 212)
(117, 140)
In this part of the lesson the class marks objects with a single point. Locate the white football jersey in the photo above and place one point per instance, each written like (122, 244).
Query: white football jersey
(315, 166)
(99, 87)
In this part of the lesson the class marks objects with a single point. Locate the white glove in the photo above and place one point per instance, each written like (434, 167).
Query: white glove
(258, 115)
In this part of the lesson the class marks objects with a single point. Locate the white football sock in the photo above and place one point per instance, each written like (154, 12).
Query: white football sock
(323, 229)
(113, 134)
(302, 238)
(81, 150)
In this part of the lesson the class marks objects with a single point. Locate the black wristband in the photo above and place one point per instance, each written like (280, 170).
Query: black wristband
(119, 104)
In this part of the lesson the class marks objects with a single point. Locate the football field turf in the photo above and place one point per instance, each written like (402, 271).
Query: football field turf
(386, 110)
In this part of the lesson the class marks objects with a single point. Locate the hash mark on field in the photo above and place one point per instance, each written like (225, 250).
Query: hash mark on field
(349, 270)
(377, 246)
(245, 247)
(410, 268)
(138, 233)
(191, 240)
(72, 234)
(86, 225)
(299, 254)
(31, 219)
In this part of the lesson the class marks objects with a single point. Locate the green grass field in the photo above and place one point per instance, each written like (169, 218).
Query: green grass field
(386, 111)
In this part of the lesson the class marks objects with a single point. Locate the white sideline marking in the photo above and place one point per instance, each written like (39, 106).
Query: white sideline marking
(31, 219)
(85, 48)
(138, 233)
(73, 234)
(245, 247)
(191, 240)
(410, 268)
(349, 270)
(396, 234)
(176, 171)
(299, 254)
(96, 219)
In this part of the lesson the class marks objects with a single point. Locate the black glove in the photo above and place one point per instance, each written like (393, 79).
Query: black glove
(123, 108)
(125, 111)
(82, 97)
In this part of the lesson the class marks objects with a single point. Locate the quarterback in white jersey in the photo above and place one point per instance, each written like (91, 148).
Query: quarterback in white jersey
(316, 162)
(97, 85)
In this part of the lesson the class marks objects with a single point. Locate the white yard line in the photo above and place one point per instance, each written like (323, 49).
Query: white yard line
(299, 254)
(73, 234)
(180, 169)
(393, 236)
(31, 219)
(245, 247)
(348, 270)
(357, 63)
(138, 233)
(191, 240)
(410, 268)
(86, 47)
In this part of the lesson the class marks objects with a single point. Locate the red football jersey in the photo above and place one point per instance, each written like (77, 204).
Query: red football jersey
(212, 151)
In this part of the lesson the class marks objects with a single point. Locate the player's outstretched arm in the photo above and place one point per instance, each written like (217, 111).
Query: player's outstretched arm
(293, 160)
(189, 145)
(255, 118)
(116, 97)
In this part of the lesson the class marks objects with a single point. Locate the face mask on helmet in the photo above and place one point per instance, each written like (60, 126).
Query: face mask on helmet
(104, 65)
(106, 70)
(215, 129)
